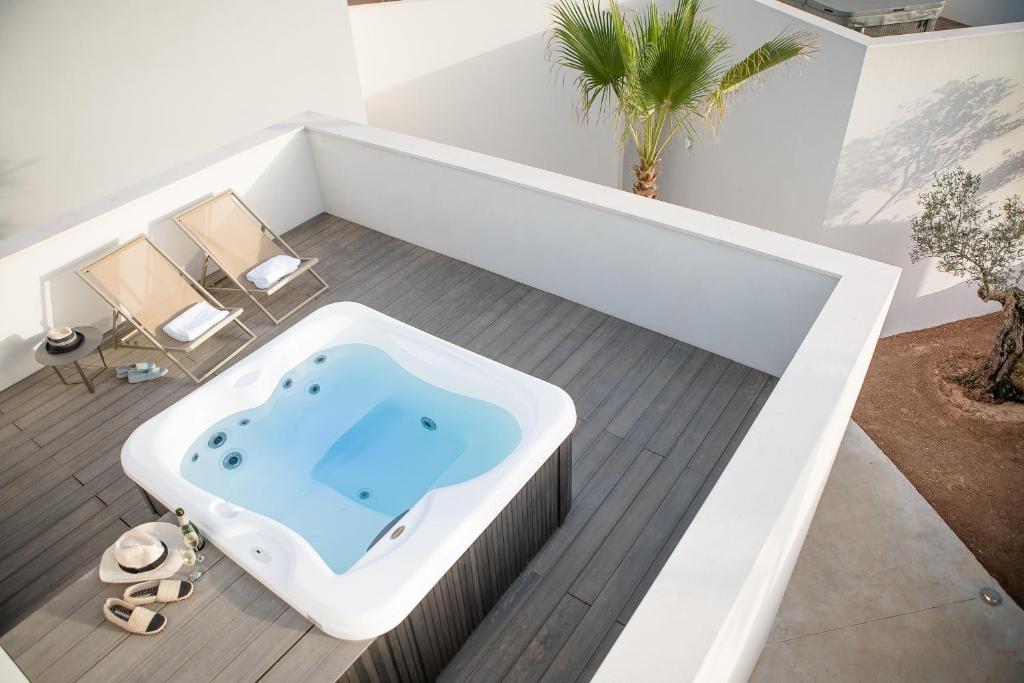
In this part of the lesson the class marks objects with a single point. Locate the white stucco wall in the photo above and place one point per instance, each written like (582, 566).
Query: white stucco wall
(272, 170)
(472, 73)
(99, 94)
(775, 155)
(926, 103)
(837, 151)
(618, 253)
(984, 12)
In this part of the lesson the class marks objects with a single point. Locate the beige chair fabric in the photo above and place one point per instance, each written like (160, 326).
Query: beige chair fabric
(230, 233)
(147, 286)
(142, 284)
(237, 240)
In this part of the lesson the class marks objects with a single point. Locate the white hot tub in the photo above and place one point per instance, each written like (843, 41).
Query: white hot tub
(350, 462)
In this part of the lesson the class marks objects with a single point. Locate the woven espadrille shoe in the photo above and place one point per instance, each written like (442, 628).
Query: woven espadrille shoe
(165, 590)
(132, 618)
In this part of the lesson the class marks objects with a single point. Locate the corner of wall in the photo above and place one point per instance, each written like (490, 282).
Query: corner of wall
(865, 49)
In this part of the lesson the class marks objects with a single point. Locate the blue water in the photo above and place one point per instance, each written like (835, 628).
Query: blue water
(347, 441)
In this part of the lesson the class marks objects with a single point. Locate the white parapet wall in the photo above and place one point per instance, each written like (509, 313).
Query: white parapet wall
(603, 248)
(272, 170)
(789, 155)
(807, 313)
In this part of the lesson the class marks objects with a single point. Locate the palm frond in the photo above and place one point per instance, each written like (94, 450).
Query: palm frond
(584, 40)
(662, 72)
(678, 70)
(780, 49)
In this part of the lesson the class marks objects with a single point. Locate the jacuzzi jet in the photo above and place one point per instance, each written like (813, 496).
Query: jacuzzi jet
(287, 384)
(314, 389)
(244, 421)
(364, 494)
(217, 440)
(232, 460)
(428, 423)
(195, 456)
(320, 359)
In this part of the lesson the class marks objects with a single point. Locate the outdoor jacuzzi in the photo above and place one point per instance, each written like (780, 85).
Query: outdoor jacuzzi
(353, 462)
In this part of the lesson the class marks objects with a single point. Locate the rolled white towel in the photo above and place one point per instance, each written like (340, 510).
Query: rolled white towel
(196, 320)
(273, 269)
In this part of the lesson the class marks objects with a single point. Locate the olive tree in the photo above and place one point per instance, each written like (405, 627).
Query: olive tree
(972, 240)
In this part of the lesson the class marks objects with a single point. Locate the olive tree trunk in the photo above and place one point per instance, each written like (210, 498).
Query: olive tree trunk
(1002, 374)
(646, 179)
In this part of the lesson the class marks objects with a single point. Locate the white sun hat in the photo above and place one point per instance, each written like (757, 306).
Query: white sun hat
(154, 550)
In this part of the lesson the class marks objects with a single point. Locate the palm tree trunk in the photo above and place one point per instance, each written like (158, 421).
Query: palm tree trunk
(646, 176)
(1002, 373)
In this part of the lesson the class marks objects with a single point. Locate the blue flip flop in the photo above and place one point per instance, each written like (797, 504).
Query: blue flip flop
(154, 373)
(124, 370)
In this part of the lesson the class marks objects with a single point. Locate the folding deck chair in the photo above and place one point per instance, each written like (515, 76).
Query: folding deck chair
(145, 287)
(232, 236)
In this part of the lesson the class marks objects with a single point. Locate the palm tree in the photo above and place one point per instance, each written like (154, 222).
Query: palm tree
(660, 73)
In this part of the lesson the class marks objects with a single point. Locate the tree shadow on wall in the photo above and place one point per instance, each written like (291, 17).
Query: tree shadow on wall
(934, 134)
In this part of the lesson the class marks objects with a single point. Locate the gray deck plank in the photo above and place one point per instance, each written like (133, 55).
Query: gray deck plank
(555, 349)
(613, 400)
(250, 662)
(628, 415)
(130, 652)
(582, 356)
(675, 532)
(675, 424)
(96, 640)
(546, 334)
(659, 422)
(550, 639)
(536, 607)
(245, 626)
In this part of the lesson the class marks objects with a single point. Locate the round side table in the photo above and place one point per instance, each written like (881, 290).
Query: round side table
(90, 343)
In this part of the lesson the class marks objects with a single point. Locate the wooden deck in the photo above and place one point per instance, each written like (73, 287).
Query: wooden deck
(659, 420)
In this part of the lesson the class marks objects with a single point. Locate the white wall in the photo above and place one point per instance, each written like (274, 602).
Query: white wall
(538, 228)
(984, 12)
(773, 161)
(99, 94)
(472, 73)
(838, 150)
(272, 170)
(926, 103)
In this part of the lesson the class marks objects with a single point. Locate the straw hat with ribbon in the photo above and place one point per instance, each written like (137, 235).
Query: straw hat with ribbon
(62, 340)
(149, 551)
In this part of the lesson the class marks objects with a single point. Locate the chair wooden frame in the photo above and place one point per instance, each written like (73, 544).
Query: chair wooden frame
(306, 264)
(121, 311)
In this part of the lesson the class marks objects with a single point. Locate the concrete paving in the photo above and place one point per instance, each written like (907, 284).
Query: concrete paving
(885, 591)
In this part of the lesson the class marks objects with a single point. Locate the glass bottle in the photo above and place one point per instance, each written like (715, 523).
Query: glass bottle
(193, 540)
